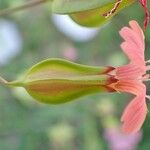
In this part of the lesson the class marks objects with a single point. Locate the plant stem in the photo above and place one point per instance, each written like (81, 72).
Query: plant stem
(3, 81)
(148, 61)
(8, 11)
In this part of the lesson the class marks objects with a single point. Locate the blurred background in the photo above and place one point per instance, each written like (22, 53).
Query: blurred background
(89, 123)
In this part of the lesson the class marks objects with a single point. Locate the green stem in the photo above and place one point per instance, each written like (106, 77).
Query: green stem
(15, 84)
(8, 11)
(3, 81)
(11, 84)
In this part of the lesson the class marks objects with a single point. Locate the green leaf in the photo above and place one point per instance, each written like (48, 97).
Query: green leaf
(57, 81)
(70, 6)
(94, 17)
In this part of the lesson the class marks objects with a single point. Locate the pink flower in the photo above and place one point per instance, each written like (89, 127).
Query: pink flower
(70, 53)
(119, 141)
(130, 77)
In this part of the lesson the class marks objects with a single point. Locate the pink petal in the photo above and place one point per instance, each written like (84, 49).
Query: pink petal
(129, 86)
(129, 35)
(135, 26)
(133, 46)
(134, 115)
(136, 56)
(130, 71)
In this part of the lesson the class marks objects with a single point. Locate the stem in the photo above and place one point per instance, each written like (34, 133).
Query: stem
(148, 97)
(11, 84)
(148, 61)
(15, 84)
(3, 81)
(30, 4)
(146, 11)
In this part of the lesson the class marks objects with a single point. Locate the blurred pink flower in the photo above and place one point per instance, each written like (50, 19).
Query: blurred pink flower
(130, 77)
(119, 141)
(70, 53)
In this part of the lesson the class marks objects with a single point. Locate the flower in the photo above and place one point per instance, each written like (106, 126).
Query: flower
(70, 53)
(131, 76)
(118, 141)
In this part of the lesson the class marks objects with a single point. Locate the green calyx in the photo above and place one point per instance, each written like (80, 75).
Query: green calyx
(57, 81)
(73, 6)
(88, 13)
(84, 12)
(95, 17)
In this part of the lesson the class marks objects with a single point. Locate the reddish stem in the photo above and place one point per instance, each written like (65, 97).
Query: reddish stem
(146, 11)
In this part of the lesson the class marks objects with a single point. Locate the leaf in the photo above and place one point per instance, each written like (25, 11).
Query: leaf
(57, 81)
(94, 17)
(70, 6)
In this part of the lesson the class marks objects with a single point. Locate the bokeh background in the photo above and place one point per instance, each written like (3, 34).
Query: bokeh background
(89, 123)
